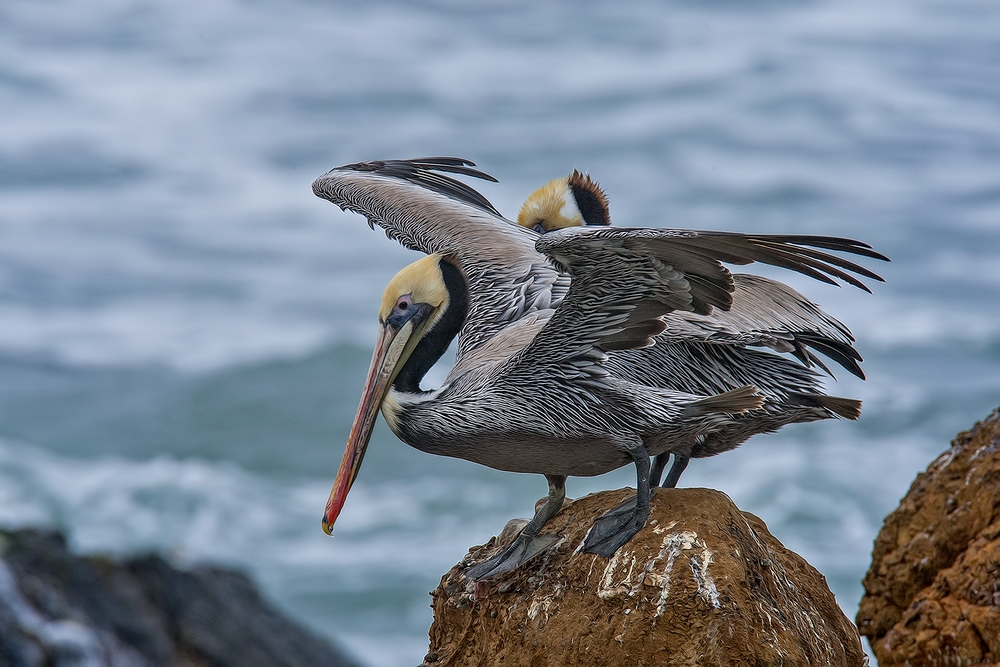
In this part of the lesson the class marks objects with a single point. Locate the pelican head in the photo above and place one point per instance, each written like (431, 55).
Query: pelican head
(422, 310)
(570, 201)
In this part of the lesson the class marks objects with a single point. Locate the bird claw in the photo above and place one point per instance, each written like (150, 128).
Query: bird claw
(614, 528)
(519, 551)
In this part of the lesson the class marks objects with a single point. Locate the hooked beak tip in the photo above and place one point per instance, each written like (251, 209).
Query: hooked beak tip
(330, 517)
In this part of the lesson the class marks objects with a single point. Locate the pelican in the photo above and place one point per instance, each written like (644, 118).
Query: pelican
(706, 354)
(537, 318)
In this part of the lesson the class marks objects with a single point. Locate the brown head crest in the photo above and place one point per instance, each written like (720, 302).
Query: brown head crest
(590, 199)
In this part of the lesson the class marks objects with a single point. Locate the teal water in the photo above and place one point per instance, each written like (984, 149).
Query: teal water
(184, 328)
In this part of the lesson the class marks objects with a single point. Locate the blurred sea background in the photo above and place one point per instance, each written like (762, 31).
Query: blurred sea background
(184, 328)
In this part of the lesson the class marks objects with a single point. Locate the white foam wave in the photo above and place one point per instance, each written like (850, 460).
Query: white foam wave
(179, 335)
(199, 511)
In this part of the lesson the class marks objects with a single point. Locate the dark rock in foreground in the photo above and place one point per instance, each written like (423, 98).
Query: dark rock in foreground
(702, 584)
(932, 595)
(59, 609)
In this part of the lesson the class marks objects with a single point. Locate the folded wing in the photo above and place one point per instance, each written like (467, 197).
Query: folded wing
(769, 313)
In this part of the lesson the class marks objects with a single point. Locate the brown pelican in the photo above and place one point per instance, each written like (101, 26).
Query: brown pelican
(536, 318)
(707, 354)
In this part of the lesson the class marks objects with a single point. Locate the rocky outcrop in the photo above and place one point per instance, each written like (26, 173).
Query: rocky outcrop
(932, 595)
(58, 609)
(702, 584)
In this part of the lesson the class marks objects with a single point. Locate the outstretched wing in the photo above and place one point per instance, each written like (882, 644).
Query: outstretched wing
(419, 205)
(625, 280)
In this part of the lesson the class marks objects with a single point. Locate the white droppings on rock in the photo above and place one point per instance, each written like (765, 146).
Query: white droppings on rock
(608, 589)
(946, 458)
(659, 530)
(604, 590)
(670, 548)
(539, 606)
(706, 585)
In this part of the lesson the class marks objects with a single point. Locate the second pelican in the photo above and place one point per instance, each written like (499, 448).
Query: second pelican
(706, 354)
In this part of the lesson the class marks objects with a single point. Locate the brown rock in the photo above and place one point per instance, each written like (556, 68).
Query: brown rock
(932, 595)
(701, 584)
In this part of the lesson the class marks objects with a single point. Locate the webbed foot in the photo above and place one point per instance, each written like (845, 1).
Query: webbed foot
(529, 543)
(616, 527)
(620, 524)
(513, 556)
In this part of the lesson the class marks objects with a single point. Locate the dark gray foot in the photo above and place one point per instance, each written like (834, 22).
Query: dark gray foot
(609, 533)
(529, 543)
(620, 524)
(519, 551)
(680, 463)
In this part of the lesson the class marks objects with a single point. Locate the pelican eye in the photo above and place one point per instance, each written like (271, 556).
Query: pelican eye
(406, 310)
(539, 227)
(404, 303)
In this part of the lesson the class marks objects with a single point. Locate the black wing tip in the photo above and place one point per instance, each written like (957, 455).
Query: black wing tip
(429, 172)
(843, 353)
(795, 252)
(456, 165)
(847, 408)
(840, 243)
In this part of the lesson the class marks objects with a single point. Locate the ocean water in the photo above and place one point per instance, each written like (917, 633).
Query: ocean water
(184, 328)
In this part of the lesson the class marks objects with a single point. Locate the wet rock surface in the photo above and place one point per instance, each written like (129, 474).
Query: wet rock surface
(932, 595)
(703, 583)
(58, 609)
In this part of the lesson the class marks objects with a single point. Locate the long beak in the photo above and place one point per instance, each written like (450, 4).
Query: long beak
(386, 360)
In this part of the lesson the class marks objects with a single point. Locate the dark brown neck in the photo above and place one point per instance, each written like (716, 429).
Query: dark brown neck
(436, 341)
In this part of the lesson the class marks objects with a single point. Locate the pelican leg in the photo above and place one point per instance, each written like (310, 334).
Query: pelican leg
(617, 526)
(659, 463)
(627, 506)
(529, 543)
(680, 463)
